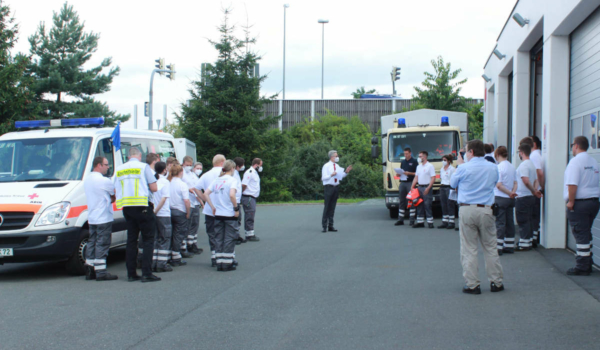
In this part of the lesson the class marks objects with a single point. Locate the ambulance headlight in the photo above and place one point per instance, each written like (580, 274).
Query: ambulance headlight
(54, 214)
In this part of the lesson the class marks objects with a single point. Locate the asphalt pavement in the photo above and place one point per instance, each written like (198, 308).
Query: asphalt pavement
(369, 286)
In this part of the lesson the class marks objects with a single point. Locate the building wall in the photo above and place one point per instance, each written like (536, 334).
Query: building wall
(552, 21)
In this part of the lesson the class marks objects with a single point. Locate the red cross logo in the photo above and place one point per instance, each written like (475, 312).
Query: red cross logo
(32, 196)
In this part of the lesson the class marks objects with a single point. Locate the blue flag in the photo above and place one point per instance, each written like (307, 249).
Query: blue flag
(116, 137)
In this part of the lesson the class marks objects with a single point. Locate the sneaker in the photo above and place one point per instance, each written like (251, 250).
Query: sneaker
(494, 288)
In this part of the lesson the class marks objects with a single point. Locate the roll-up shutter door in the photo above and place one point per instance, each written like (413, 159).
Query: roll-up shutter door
(584, 104)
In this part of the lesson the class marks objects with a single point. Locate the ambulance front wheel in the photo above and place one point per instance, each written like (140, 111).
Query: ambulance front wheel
(76, 263)
(393, 213)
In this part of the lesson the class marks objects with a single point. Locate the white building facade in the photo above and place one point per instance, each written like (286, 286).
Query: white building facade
(543, 79)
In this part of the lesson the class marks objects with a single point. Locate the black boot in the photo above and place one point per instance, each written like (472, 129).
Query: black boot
(450, 226)
(443, 225)
(90, 273)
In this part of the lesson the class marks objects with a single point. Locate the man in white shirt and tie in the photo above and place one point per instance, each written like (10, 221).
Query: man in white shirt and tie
(331, 175)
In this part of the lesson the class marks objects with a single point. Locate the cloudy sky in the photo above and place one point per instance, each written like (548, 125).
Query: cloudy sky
(362, 42)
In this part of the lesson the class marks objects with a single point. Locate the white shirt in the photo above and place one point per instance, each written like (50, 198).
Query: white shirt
(252, 181)
(191, 179)
(163, 191)
(445, 174)
(98, 190)
(582, 171)
(221, 189)
(205, 181)
(424, 173)
(507, 175)
(179, 192)
(536, 159)
(238, 192)
(329, 168)
(526, 169)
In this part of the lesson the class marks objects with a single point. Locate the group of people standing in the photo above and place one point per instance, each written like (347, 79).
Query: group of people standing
(161, 203)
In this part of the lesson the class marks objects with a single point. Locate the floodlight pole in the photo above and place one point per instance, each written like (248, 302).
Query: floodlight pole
(150, 100)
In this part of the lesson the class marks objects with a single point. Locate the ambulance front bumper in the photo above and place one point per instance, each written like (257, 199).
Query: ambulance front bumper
(50, 245)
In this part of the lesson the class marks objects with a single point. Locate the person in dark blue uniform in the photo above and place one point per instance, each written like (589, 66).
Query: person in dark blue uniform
(409, 165)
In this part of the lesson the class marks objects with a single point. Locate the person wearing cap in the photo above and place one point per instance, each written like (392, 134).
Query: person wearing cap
(134, 183)
(582, 193)
(100, 194)
(250, 193)
(475, 178)
(409, 165)
(331, 175)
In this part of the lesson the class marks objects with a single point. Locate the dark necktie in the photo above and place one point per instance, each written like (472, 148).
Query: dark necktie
(334, 180)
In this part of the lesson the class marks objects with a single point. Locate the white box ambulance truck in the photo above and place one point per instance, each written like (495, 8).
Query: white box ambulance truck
(43, 207)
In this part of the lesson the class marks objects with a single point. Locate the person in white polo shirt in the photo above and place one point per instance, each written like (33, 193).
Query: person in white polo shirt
(239, 166)
(202, 185)
(536, 158)
(190, 244)
(582, 192)
(424, 179)
(250, 192)
(100, 194)
(527, 191)
(222, 200)
(504, 197)
(179, 202)
(162, 210)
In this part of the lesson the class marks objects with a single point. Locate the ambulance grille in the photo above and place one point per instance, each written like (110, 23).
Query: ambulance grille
(15, 220)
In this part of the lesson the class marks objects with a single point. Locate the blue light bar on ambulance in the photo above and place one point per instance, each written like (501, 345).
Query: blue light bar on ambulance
(30, 124)
(445, 121)
(401, 123)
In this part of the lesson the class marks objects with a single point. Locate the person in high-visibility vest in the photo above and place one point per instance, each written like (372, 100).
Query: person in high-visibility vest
(134, 182)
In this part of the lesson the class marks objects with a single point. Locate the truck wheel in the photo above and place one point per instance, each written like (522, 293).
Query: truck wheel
(76, 264)
(393, 213)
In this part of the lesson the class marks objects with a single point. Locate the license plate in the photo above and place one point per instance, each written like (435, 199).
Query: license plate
(6, 252)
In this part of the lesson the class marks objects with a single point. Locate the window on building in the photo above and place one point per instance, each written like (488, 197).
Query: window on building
(590, 128)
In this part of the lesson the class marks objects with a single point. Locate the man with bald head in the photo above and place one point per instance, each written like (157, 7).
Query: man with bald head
(202, 185)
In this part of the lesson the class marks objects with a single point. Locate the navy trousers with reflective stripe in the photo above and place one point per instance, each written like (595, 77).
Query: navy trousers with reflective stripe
(581, 220)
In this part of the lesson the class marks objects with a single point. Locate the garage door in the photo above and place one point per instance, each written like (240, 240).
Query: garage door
(585, 97)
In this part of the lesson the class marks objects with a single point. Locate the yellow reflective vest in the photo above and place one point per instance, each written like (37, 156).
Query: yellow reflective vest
(131, 187)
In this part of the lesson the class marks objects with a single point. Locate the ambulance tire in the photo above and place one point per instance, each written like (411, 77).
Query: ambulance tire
(76, 264)
(393, 213)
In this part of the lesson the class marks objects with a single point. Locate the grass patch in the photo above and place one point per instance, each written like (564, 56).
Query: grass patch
(320, 201)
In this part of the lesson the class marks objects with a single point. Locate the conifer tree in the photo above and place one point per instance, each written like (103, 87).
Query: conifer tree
(225, 114)
(63, 87)
(15, 96)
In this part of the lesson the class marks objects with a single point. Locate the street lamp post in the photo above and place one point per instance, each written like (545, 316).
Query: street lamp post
(285, 7)
(323, 21)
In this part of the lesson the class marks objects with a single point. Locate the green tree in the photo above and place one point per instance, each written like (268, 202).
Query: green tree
(440, 90)
(361, 91)
(62, 86)
(225, 116)
(475, 122)
(15, 95)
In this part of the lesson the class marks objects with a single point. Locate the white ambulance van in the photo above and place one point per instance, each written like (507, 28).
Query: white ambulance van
(43, 208)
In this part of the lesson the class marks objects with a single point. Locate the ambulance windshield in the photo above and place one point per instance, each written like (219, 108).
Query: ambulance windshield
(436, 143)
(43, 159)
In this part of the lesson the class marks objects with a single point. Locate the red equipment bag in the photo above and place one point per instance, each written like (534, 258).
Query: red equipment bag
(414, 198)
